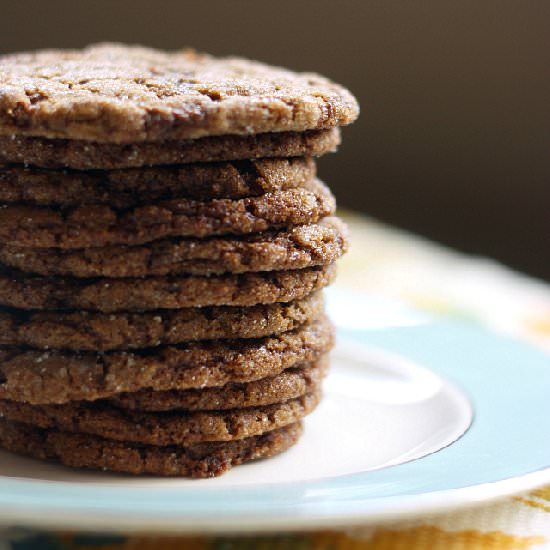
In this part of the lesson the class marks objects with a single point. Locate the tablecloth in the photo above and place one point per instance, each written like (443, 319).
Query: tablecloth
(431, 278)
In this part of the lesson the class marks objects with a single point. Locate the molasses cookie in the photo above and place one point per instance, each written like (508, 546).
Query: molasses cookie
(304, 246)
(118, 93)
(19, 290)
(123, 189)
(96, 226)
(289, 384)
(89, 155)
(118, 331)
(199, 460)
(161, 428)
(54, 377)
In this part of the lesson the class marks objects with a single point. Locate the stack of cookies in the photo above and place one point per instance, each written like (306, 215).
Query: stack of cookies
(164, 243)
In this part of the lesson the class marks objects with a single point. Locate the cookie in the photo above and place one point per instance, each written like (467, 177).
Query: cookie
(88, 155)
(57, 377)
(289, 384)
(162, 429)
(138, 186)
(96, 226)
(103, 332)
(300, 247)
(118, 93)
(22, 291)
(200, 460)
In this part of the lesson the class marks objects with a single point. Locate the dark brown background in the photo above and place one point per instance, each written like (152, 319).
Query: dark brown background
(453, 137)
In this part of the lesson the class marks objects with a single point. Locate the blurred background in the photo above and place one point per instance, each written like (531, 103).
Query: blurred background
(453, 139)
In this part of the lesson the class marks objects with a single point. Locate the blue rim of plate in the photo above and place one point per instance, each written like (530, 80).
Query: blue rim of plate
(505, 451)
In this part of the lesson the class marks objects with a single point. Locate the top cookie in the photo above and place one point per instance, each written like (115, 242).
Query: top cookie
(121, 94)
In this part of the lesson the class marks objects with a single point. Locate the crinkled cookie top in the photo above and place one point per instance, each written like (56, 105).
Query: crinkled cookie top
(118, 94)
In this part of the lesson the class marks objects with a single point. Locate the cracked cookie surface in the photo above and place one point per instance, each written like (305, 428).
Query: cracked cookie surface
(22, 291)
(132, 187)
(89, 155)
(199, 460)
(162, 428)
(118, 93)
(42, 377)
(289, 384)
(298, 248)
(88, 331)
(101, 225)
